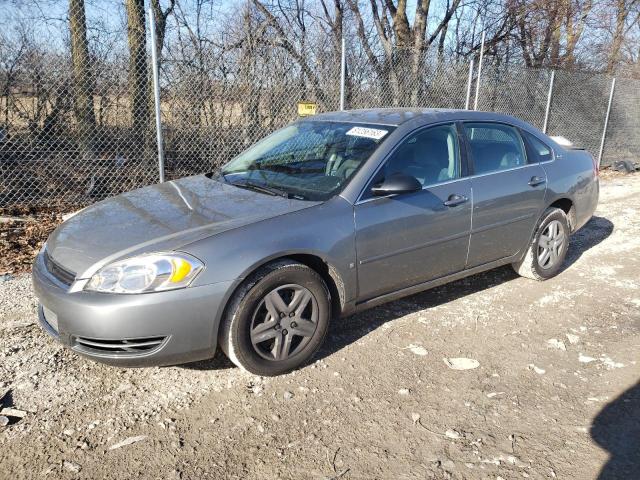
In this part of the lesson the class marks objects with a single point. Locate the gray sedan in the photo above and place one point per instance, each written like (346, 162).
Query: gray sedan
(321, 219)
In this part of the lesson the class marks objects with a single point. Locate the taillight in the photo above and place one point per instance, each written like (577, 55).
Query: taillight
(596, 168)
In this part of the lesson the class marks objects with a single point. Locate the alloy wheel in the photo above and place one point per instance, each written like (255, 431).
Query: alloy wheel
(550, 245)
(284, 322)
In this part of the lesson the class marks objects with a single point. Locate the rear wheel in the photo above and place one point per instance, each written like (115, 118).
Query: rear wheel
(276, 320)
(548, 248)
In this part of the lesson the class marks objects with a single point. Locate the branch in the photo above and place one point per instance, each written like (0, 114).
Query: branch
(353, 5)
(444, 22)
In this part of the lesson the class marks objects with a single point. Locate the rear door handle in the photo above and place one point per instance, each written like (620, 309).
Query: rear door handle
(455, 199)
(535, 181)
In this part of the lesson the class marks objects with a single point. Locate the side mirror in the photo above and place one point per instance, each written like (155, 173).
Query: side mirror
(395, 184)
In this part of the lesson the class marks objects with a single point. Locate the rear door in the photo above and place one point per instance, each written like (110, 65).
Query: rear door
(508, 192)
(407, 239)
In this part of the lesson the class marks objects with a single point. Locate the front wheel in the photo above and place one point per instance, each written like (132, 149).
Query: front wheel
(548, 248)
(277, 319)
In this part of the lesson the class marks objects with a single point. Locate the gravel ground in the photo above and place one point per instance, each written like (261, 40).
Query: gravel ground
(555, 395)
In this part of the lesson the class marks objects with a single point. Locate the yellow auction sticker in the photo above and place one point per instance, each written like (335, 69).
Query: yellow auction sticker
(307, 108)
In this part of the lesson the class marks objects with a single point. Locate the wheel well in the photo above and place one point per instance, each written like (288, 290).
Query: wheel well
(328, 274)
(566, 206)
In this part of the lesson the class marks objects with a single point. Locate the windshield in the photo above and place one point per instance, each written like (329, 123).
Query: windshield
(307, 160)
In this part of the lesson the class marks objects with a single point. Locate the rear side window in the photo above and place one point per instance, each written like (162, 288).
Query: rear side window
(494, 147)
(537, 151)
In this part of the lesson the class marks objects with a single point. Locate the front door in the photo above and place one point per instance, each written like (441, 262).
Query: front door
(508, 192)
(408, 239)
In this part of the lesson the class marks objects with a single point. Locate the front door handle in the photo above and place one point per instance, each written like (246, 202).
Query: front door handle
(535, 181)
(455, 199)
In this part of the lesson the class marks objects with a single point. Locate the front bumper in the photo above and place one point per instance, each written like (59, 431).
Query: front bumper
(160, 328)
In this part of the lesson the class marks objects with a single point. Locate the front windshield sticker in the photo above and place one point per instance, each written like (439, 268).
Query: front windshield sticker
(374, 133)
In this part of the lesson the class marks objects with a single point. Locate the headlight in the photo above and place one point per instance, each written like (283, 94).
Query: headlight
(146, 273)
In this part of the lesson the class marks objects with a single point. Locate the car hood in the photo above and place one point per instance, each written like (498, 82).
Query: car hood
(160, 217)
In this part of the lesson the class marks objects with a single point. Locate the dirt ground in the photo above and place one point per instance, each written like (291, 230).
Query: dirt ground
(556, 393)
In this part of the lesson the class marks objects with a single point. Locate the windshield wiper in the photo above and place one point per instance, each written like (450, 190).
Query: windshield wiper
(263, 189)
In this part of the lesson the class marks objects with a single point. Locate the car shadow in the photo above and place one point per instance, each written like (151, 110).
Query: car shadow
(595, 231)
(617, 429)
(349, 330)
(218, 362)
(343, 333)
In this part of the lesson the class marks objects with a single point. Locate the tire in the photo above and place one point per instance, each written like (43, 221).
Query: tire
(535, 264)
(263, 345)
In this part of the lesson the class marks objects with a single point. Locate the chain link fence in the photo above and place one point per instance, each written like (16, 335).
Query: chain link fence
(579, 107)
(405, 80)
(78, 124)
(210, 114)
(75, 124)
(622, 140)
(514, 90)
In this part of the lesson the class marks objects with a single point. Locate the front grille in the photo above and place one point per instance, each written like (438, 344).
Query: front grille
(62, 274)
(128, 346)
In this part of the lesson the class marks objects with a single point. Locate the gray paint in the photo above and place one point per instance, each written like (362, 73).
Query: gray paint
(157, 218)
(376, 249)
(397, 237)
(185, 316)
(505, 211)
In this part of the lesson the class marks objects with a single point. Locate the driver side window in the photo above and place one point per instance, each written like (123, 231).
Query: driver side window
(431, 155)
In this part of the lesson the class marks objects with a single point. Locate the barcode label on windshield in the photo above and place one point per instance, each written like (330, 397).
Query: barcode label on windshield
(374, 133)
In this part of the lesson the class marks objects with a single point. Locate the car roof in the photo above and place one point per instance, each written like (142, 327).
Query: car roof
(398, 116)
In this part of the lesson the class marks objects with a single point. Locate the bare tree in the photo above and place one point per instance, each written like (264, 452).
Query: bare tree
(296, 49)
(403, 44)
(576, 14)
(83, 85)
(548, 32)
(332, 20)
(538, 28)
(623, 9)
(138, 72)
(160, 17)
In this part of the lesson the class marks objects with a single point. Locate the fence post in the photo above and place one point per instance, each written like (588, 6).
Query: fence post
(606, 121)
(156, 92)
(548, 109)
(475, 103)
(343, 73)
(469, 82)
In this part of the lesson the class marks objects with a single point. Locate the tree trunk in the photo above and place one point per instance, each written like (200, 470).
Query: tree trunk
(161, 24)
(248, 56)
(82, 76)
(138, 77)
(574, 31)
(622, 11)
(556, 33)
